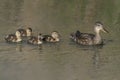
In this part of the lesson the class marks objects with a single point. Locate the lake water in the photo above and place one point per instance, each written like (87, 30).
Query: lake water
(64, 60)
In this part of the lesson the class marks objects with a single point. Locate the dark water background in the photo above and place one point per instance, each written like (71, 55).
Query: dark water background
(64, 60)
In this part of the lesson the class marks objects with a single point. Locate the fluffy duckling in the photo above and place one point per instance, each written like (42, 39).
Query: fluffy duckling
(35, 40)
(54, 37)
(87, 38)
(14, 37)
(25, 32)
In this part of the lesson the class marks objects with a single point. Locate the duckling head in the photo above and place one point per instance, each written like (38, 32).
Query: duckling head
(99, 27)
(29, 31)
(18, 36)
(55, 35)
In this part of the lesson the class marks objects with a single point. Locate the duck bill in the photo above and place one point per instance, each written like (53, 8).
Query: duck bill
(104, 30)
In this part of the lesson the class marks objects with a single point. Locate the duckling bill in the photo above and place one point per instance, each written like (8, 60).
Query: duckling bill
(88, 38)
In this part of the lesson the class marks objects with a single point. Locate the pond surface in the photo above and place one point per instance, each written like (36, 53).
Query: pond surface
(64, 60)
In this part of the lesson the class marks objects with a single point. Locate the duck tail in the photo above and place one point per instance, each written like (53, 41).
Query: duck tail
(78, 33)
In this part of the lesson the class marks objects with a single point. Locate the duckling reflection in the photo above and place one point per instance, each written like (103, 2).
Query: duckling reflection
(87, 38)
(19, 47)
(54, 37)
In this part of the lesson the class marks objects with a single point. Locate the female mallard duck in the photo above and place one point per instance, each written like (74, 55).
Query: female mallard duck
(14, 37)
(54, 37)
(35, 40)
(25, 32)
(89, 39)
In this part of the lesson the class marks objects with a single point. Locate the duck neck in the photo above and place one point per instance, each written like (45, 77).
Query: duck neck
(97, 39)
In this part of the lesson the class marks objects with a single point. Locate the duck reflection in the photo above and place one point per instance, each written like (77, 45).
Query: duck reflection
(40, 47)
(19, 47)
(96, 57)
(96, 50)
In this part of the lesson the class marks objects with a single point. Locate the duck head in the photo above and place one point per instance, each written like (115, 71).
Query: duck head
(99, 27)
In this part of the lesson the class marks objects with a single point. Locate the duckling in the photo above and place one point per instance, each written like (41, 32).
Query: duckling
(54, 37)
(35, 40)
(14, 37)
(87, 38)
(25, 32)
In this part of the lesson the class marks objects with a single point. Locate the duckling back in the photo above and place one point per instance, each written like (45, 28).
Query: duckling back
(22, 32)
(10, 38)
(35, 40)
(54, 37)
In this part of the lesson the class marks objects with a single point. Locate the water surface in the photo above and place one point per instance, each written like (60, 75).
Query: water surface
(65, 60)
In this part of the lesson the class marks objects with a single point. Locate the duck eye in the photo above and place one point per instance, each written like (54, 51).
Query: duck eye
(98, 25)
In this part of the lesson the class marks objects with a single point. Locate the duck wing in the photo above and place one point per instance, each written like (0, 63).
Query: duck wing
(87, 35)
(85, 39)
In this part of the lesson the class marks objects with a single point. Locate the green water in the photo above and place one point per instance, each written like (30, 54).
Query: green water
(64, 60)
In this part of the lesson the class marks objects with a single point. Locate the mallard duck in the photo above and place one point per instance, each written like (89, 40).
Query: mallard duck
(35, 40)
(87, 38)
(25, 32)
(54, 37)
(14, 37)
